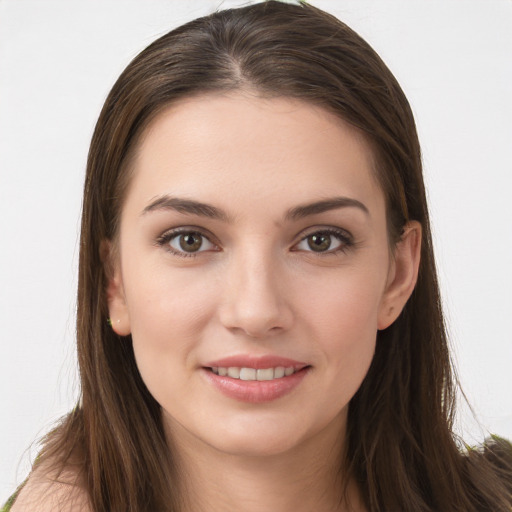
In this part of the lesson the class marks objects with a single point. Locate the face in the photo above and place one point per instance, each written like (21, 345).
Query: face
(253, 270)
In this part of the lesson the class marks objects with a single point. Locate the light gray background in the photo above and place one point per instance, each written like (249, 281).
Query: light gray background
(58, 59)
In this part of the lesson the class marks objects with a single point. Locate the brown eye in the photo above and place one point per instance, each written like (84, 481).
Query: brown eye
(319, 242)
(190, 242)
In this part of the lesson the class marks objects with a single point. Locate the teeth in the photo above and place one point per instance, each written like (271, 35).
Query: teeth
(233, 372)
(247, 374)
(253, 374)
(267, 374)
(278, 372)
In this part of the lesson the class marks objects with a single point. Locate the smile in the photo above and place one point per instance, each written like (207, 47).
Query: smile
(255, 385)
(260, 374)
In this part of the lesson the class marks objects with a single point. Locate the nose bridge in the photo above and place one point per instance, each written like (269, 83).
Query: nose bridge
(255, 300)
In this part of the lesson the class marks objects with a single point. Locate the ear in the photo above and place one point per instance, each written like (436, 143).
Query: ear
(118, 310)
(402, 275)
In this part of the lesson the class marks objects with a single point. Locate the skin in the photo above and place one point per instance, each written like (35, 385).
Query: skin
(256, 287)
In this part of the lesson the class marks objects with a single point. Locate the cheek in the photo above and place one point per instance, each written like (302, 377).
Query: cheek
(346, 306)
(343, 320)
(168, 311)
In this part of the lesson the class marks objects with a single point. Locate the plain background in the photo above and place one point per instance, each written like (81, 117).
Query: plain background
(58, 60)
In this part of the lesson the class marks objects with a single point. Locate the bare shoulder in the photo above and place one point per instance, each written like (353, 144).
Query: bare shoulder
(49, 491)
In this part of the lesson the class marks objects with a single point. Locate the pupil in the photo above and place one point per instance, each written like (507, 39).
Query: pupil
(319, 242)
(190, 242)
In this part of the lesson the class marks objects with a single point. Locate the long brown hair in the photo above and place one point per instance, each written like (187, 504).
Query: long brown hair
(400, 445)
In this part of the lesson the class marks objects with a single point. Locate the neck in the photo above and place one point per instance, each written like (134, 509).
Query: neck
(309, 477)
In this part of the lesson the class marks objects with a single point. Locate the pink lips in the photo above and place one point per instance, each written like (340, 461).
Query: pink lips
(255, 391)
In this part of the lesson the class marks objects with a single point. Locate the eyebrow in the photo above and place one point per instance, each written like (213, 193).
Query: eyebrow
(325, 205)
(186, 206)
(191, 207)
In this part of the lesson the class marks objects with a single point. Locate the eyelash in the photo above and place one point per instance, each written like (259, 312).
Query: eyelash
(344, 237)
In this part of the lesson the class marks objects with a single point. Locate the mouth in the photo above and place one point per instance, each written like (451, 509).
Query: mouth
(255, 380)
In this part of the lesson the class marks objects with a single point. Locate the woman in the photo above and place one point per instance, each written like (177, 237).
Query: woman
(255, 231)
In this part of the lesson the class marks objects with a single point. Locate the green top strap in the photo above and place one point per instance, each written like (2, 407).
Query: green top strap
(10, 502)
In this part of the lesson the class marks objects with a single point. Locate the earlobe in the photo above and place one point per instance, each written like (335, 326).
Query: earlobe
(119, 318)
(402, 276)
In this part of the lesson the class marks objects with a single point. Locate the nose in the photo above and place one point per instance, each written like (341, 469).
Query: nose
(254, 301)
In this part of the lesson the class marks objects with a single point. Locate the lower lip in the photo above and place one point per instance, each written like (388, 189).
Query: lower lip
(255, 391)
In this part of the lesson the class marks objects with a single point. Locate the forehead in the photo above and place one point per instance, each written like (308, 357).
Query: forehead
(211, 147)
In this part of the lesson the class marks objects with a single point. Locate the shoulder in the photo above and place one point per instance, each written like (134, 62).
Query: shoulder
(48, 490)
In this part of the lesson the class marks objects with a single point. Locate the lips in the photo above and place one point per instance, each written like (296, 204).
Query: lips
(255, 379)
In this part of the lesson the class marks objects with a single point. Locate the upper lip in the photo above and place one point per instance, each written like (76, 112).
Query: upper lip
(256, 362)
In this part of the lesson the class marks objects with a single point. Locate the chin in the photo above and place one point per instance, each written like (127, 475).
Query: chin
(256, 444)
(267, 434)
